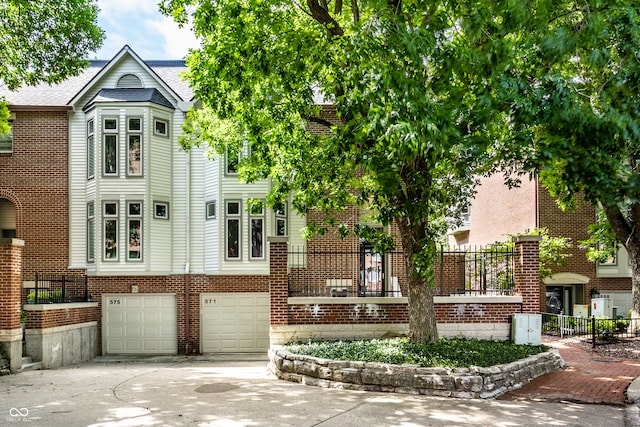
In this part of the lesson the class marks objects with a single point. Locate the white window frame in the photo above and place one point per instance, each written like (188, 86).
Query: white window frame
(281, 216)
(166, 127)
(91, 232)
(210, 209)
(132, 217)
(257, 231)
(233, 218)
(111, 132)
(161, 210)
(8, 140)
(135, 133)
(91, 149)
(110, 216)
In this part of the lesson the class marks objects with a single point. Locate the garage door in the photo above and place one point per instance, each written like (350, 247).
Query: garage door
(139, 324)
(234, 322)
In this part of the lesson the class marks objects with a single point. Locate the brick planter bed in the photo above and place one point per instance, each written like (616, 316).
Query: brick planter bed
(470, 383)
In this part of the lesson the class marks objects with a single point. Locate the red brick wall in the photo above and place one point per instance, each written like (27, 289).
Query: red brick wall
(38, 319)
(34, 178)
(475, 313)
(313, 314)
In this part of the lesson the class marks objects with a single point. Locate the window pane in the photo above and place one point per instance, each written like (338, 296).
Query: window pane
(110, 154)
(211, 210)
(135, 124)
(233, 208)
(135, 209)
(232, 160)
(6, 141)
(134, 155)
(281, 227)
(111, 209)
(90, 157)
(162, 210)
(135, 228)
(233, 238)
(111, 239)
(111, 124)
(91, 240)
(160, 127)
(256, 238)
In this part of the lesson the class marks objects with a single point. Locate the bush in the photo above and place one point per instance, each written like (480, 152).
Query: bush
(45, 296)
(450, 353)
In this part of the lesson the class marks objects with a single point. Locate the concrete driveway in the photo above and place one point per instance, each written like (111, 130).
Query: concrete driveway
(216, 391)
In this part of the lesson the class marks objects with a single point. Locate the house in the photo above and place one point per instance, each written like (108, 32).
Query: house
(496, 212)
(174, 256)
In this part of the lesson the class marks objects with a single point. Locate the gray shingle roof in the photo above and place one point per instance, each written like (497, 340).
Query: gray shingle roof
(60, 94)
(129, 95)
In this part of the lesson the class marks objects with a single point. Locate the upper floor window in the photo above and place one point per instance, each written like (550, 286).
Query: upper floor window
(91, 149)
(110, 146)
(91, 232)
(161, 127)
(129, 81)
(233, 216)
(6, 139)
(256, 223)
(281, 221)
(134, 146)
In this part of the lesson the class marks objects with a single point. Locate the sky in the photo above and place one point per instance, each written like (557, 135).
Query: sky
(140, 24)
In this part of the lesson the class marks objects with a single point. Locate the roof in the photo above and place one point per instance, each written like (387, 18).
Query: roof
(129, 95)
(45, 95)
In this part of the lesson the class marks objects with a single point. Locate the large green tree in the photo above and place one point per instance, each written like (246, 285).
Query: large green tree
(409, 80)
(582, 112)
(45, 41)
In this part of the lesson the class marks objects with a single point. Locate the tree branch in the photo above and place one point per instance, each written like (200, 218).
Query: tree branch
(321, 15)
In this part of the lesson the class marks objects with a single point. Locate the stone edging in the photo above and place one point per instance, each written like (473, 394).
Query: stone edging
(470, 383)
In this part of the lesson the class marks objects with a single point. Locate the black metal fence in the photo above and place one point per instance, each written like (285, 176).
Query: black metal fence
(55, 289)
(597, 330)
(365, 273)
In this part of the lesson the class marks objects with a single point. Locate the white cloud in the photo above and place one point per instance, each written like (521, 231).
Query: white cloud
(141, 25)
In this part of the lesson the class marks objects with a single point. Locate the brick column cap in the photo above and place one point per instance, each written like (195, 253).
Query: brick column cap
(518, 239)
(9, 241)
(278, 239)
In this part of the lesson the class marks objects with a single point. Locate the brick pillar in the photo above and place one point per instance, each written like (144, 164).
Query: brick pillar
(278, 280)
(10, 287)
(527, 272)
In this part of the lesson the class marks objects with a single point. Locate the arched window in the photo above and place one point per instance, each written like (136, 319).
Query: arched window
(129, 81)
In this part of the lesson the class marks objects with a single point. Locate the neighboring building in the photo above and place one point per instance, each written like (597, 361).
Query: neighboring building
(497, 212)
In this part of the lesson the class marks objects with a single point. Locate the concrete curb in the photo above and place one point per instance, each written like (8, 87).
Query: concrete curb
(632, 411)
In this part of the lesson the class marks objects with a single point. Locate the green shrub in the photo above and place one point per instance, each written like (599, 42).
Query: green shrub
(45, 296)
(451, 353)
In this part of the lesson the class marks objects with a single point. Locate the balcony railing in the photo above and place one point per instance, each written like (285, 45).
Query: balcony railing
(368, 274)
(55, 289)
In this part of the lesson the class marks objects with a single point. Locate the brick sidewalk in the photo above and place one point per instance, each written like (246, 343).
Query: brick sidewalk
(587, 378)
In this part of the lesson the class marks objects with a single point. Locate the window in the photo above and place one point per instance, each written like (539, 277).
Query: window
(6, 139)
(282, 229)
(110, 158)
(91, 233)
(91, 150)
(160, 127)
(233, 216)
(134, 146)
(129, 81)
(211, 209)
(110, 231)
(232, 159)
(134, 225)
(256, 223)
(161, 210)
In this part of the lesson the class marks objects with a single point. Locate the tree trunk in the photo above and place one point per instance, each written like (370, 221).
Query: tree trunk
(422, 312)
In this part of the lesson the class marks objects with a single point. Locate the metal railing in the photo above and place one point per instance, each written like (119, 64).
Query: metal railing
(55, 289)
(597, 330)
(364, 273)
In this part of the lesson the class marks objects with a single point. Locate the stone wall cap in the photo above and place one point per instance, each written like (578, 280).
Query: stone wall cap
(527, 238)
(274, 239)
(10, 241)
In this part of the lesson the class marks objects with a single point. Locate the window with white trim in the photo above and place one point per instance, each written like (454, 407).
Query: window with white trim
(91, 232)
(281, 221)
(110, 146)
(161, 127)
(134, 227)
(91, 149)
(6, 139)
(256, 224)
(134, 146)
(211, 209)
(161, 210)
(233, 223)
(110, 221)
(232, 159)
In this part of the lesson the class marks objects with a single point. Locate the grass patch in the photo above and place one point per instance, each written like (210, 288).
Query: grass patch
(447, 352)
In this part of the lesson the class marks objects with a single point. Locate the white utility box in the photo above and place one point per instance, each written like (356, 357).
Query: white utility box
(601, 307)
(526, 329)
(581, 310)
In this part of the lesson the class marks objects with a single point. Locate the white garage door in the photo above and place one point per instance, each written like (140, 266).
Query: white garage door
(139, 324)
(234, 322)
